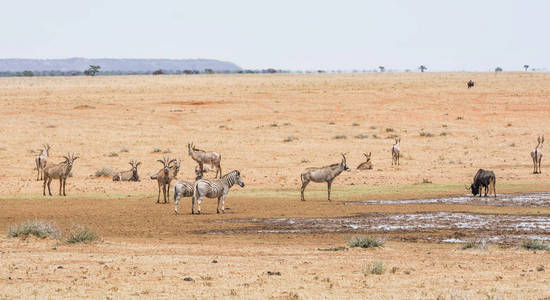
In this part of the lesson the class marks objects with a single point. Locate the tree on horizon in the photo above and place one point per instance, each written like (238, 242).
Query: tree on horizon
(526, 67)
(422, 68)
(382, 69)
(92, 70)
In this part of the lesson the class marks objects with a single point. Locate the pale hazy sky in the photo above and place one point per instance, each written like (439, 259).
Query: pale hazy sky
(299, 35)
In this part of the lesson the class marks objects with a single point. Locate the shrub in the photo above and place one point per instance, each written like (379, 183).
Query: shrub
(340, 137)
(113, 154)
(157, 150)
(362, 136)
(389, 129)
(40, 229)
(376, 268)
(534, 245)
(290, 139)
(124, 150)
(365, 242)
(103, 172)
(81, 234)
(354, 124)
(473, 245)
(426, 134)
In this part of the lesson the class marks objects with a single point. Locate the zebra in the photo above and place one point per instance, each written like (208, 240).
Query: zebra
(184, 189)
(216, 188)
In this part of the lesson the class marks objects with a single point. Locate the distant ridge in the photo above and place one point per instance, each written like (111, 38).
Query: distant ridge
(115, 64)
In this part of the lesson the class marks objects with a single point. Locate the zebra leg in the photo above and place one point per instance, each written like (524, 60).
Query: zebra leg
(223, 203)
(218, 206)
(193, 205)
(199, 204)
(176, 200)
(304, 184)
(329, 183)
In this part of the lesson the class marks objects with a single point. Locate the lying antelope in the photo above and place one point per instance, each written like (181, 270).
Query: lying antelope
(366, 165)
(130, 175)
(184, 189)
(204, 157)
(59, 171)
(536, 155)
(165, 176)
(41, 161)
(396, 152)
(323, 174)
(216, 188)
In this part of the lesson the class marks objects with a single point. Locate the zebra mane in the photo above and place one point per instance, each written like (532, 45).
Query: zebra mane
(229, 178)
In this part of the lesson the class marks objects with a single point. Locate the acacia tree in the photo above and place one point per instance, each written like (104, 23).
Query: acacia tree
(526, 67)
(498, 69)
(92, 70)
(382, 69)
(422, 68)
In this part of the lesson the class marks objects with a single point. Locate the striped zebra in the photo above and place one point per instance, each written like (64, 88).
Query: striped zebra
(184, 189)
(216, 188)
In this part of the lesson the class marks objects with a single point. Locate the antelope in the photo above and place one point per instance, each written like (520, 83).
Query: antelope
(217, 188)
(366, 165)
(130, 175)
(41, 161)
(203, 157)
(323, 174)
(184, 189)
(536, 155)
(165, 176)
(395, 152)
(59, 171)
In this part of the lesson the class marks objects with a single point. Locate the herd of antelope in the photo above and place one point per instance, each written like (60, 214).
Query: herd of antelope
(217, 187)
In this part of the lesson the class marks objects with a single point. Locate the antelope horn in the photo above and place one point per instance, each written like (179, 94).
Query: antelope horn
(171, 161)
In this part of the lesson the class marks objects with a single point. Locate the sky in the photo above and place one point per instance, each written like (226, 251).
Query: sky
(464, 35)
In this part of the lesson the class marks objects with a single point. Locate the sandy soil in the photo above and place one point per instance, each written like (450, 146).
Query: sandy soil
(147, 250)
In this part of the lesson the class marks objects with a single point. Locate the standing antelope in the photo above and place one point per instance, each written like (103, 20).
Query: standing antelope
(59, 171)
(184, 189)
(41, 161)
(203, 157)
(536, 155)
(165, 175)
(323, 174)
(217, 188)
(130, 175)
(366, 165)
(395, 152)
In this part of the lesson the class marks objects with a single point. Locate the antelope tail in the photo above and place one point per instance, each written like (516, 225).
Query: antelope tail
(154, 176)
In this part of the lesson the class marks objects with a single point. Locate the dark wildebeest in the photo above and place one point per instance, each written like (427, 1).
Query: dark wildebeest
(470, 84)
(483, 178)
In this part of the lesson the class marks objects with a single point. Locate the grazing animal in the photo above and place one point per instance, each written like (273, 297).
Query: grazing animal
(486, 179)
(165, 176)
(323, 174)
(396, 152)
(184, 189)
(130, 175)
(216, 188)
(366, 165)
(203, 157)
(470, 84)
(536, 155)
(41, 161)
(59, 171)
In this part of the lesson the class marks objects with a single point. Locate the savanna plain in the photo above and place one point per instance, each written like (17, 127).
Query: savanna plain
(269, 244)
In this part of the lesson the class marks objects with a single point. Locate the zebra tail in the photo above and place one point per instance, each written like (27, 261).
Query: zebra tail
(195, 190)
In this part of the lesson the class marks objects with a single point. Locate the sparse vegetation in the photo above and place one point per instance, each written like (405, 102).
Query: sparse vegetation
(113, 154)
(124, 150)
(365, 242)
(340, 137)
(362, 136)
(460, 118)
(389, 129)
(372, 127)
(375, 268)
(426, 134)
(39, 229)
(104, 172)
(444, 133)
(355, 124)
(81, 234)
(426, 180)
(473, 245)
(290, 139)
(534, 245)
(157, 150)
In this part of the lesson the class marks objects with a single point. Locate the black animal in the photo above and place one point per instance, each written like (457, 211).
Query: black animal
(483, 178)
(471, 84)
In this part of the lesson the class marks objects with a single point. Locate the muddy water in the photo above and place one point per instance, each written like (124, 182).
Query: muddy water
(529, 199)
(479, 227)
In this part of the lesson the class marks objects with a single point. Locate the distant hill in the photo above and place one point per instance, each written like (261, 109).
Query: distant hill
(115, 64)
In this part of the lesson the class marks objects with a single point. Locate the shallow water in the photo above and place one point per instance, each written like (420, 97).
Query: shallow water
(528, 199)
(489, 228)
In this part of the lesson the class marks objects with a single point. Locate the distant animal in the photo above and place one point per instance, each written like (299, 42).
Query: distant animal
(130, 175)
(323, 174)
(204, 157)
(470, 84)
(59, 171)
(184, 189)
(41, 161)
(485, 179)
(536, 155)
(366, 165)
(206, 169)
(216, 188)
(165, 176)
(396, 152)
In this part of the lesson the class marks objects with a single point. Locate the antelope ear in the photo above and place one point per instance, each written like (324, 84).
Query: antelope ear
(139, 163)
